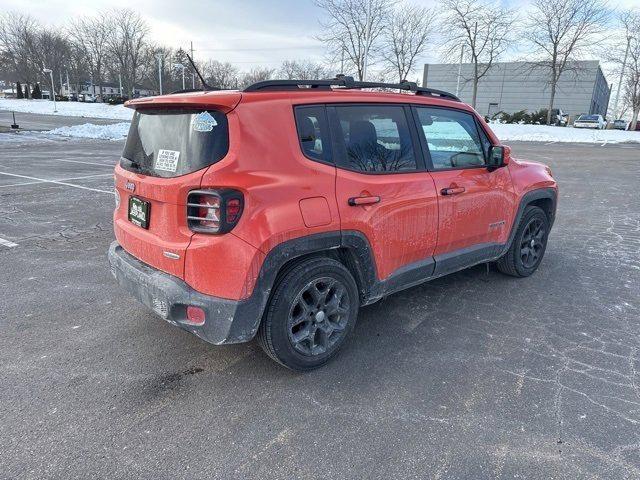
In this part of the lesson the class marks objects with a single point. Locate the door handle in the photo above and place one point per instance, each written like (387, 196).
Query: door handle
(355, 201)
(452, 190)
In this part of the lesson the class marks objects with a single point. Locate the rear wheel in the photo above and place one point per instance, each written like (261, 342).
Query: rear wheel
(310, 315)
(528, 246)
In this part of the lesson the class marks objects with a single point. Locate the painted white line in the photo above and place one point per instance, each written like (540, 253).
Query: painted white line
(86, 163)
(110, 192)
(57, 180)
(7, 243)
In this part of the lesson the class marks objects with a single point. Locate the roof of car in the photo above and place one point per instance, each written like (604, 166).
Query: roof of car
(226, 100)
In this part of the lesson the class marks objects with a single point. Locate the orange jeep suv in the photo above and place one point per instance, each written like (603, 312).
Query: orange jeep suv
(277, 211)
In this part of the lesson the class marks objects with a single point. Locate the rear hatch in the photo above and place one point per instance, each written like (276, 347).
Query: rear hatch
(169, 147)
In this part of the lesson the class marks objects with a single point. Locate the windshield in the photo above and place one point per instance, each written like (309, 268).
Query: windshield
(588, 118)
(174, 142)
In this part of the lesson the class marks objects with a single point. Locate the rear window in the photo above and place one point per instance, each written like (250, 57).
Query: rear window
(172, 142)
(588, 118)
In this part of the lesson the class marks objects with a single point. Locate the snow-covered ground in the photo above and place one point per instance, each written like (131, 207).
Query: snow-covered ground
(116, 131)
(505, 132)
(68, 109)
(544, 133)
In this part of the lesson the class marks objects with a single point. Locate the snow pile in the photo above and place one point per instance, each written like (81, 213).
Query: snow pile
(544, 133)
(116, 131)
(68, 109)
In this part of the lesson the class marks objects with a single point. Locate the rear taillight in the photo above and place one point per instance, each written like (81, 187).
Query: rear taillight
(214, 211)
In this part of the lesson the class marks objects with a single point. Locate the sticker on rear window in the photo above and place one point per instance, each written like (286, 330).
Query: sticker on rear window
(204, 122)
(167, 160)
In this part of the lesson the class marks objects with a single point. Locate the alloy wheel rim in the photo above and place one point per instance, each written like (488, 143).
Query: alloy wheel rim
(318, 316)
(532, 243)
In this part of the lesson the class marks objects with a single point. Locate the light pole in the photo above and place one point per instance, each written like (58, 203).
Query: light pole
(624, 65)
(367, 41)
(159, 57)
(179, 65)
(53, 89)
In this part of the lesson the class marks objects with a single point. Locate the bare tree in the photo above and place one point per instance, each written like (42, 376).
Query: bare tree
(560, 31)
(303, 70)
(126, 46)
(90, 37)
(408, 31)
(220, 74)
(255, 75)
(482, 31)
(353, 30)
(632, 72)
(19, 48)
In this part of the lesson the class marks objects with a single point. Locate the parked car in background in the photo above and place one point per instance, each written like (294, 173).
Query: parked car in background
(590, 121)
(559, 118)
(619, 125)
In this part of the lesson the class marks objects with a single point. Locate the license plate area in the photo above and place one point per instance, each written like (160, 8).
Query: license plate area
(139, 211)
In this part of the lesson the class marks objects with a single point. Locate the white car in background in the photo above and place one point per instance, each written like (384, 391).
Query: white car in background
(590, 121)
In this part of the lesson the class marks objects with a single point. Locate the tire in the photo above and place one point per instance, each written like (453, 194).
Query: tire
(311, 313)
(523, 257)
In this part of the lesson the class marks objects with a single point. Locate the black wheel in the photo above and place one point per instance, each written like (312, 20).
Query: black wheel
(310, 315)
(528, 246)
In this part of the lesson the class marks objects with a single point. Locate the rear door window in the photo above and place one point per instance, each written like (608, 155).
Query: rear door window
(174, 142)
(313, 132)
(374, 139)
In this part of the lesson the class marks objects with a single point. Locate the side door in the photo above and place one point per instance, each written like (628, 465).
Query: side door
(382, 187)
(475, 204)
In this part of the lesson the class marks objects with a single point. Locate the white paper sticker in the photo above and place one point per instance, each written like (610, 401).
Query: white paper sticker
(167, 160)
(204, 122)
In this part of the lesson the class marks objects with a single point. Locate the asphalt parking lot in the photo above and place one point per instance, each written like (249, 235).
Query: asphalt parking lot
(475, 375)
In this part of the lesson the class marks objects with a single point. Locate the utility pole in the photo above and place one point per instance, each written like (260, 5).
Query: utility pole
(460, 69)
(120, 81)
(367, 41)
(193, 75)
(159, 57)
(624, 64)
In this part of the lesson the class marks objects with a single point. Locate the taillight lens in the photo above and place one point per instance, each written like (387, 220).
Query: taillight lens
(214, 211)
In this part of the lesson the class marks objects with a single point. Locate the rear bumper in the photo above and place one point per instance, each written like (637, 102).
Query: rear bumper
(227, 321)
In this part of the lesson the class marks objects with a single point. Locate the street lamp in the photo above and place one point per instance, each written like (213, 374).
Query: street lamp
(159, 57)
(53, 89)
(179, 65)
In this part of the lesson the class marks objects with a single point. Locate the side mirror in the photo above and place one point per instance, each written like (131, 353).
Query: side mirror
(498, 156)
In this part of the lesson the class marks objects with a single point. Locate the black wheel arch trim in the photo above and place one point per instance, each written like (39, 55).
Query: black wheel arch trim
(353, 248)
(526, 200)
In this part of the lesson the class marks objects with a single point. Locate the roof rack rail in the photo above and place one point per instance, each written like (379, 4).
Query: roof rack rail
(346, 82)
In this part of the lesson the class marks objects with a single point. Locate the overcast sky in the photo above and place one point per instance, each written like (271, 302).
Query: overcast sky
(247, 33)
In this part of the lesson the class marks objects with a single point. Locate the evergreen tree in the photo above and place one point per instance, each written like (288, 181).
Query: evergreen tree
(26, 90)
(36, 93)
(19, 93)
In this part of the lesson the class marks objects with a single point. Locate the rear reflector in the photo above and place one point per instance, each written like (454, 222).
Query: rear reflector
(195, 315)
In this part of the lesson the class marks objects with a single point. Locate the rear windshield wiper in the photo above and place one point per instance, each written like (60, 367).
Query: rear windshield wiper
(130, 163)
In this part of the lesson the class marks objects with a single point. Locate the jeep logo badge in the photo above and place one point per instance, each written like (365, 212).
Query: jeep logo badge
(130, 186)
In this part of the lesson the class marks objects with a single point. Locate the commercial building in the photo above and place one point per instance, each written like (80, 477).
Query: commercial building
(513, 86)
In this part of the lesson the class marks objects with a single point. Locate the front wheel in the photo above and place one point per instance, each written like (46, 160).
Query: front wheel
(310, 315)
(528, 246)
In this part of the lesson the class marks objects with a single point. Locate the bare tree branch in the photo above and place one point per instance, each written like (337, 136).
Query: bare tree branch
(559, 32)
(482, 31)
(406, 37)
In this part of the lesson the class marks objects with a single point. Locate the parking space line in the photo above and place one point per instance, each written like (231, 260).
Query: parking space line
(7, 243)
(44, 180)
(85, 163)
(58, 180)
